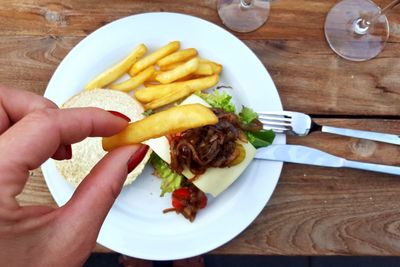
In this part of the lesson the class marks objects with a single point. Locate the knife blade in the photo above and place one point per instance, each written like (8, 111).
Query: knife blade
(311, 156)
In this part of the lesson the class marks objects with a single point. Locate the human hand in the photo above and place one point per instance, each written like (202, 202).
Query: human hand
(33, 129)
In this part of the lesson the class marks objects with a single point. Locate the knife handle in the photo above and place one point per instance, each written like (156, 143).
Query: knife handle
(380, 137)
(372, 167)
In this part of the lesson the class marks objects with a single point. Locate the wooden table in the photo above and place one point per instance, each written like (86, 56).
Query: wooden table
(314, 211)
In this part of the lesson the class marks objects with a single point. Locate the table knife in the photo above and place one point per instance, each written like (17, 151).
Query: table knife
(311, 156)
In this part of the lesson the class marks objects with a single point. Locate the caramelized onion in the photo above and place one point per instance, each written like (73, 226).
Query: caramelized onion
(207, 146)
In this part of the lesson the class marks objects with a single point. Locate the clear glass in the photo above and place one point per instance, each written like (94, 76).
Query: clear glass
(357, 30)
(243, 15)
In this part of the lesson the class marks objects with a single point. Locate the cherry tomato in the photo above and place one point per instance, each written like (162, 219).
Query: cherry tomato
(180, 198)
(203, 201)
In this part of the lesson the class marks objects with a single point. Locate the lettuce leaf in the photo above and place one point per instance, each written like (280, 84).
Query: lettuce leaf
(247, 115)
(261, 139)
(148, 112)
(218, 99)
(170, 179)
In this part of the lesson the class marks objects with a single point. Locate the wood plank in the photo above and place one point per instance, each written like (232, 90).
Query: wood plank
(323, 211)
(318, 211)
(79, 18)
(288, 19)
(315, 210)
(309, 78)
(28, 62)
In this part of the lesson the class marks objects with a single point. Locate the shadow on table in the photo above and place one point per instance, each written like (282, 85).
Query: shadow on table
(111, 260)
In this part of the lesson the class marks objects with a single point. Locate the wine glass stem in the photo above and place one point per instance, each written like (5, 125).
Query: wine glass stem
(247, 3)
(362, 24)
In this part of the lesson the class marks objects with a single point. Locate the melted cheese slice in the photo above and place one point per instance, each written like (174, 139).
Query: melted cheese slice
(215, 180)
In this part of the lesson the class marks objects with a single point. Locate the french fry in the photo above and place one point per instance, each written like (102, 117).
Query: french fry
(134, 81)
(189, 77)
(179, 72)
(168, 99)
(178, 56)
(182, 92)
(152, 78)
(117, 70)
(154, 57)
(171, 66)
(204, 69)
(174, 120)
(217, 68)
(150, 83)
(151, 93)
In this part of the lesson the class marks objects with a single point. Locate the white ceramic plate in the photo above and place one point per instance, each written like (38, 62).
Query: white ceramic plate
(136, 225)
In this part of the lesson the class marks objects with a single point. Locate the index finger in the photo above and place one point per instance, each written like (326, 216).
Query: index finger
(15, 104)
(36, 137)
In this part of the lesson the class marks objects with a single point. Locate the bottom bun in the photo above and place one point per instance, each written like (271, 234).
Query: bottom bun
(87, 153)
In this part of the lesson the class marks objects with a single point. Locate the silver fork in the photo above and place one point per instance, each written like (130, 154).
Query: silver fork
(301, 124)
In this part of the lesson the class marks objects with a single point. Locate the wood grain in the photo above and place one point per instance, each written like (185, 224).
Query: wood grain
(314, 210)
(288, 19)
(325, 211)
(28, 62)
(308, 77)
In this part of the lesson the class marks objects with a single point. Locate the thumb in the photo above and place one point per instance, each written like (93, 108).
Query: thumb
(96, 194)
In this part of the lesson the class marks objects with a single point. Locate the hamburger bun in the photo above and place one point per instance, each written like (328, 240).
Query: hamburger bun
(87, 153)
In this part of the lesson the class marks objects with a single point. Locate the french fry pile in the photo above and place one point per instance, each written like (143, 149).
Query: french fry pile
(167, 74)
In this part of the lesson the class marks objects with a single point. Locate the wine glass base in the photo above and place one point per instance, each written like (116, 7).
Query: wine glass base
(349, 42)
(238, 16)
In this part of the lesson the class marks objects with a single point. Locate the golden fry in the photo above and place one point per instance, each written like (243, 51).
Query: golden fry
(171, 66)
(151, 93)
(217, 68)
(178, 56)
(179, 72)
(189, 77)
(154, 57)
(204, 69)
(182, 92)
(134, 81)
(168, 99)
(174, 120)
(150, 83)
(152, 78)
(117, 70)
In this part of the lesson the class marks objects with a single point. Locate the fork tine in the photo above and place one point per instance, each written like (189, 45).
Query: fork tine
(276, 113)
(275, 123)
(276, 130)
(279, 122)
(268, 117)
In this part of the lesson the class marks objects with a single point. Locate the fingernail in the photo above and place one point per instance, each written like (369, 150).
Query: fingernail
(120, 115)
(68, 151)
(137, 157)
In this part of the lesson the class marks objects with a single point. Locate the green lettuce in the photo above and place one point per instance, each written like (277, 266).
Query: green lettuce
(247, 115)
(261, 138)
(148, 112)
(170, 179)
(218, 99)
